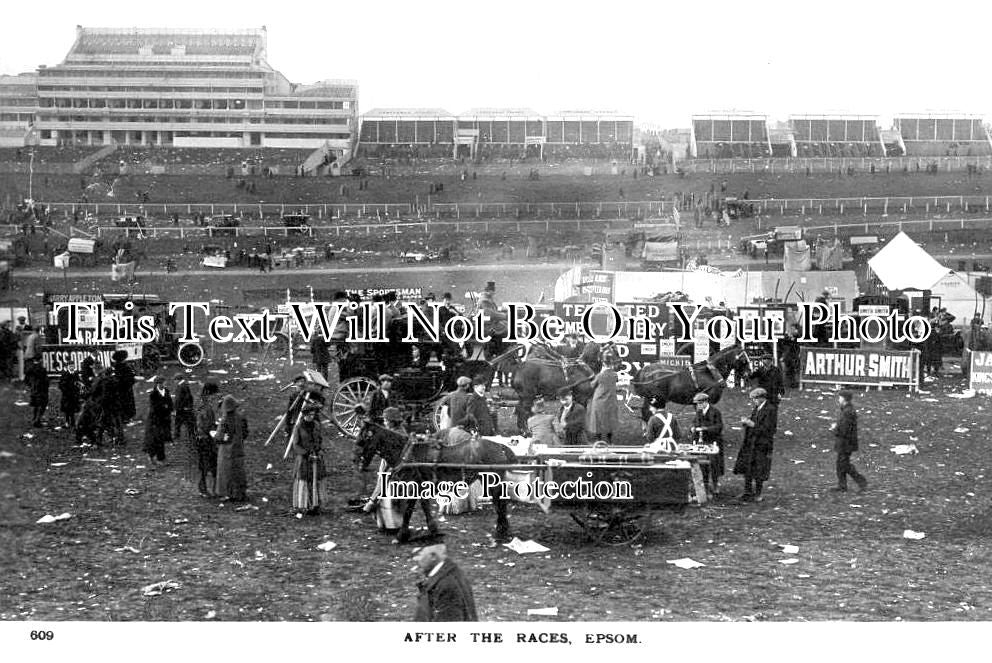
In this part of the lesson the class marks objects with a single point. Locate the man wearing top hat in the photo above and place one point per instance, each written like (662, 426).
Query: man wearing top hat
(754, 460)
(477, 406)
(708, 429)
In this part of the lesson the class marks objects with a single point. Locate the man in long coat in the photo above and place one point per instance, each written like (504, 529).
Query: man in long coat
(206, 449)
(444, 595)
(124, 381)
(754, 460)
(478, 406)
(458, 400)
(158, 426)
(846, 432)
(769, 378)
(36, 378)
(602, 411)
(708, 427)
(570, 421)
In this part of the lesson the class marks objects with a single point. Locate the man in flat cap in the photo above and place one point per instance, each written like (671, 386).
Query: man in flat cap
(444, 595)
(769, 377)
(457, 400)
(846, 432)
(708, 429)
(754, 460)
(381, 398)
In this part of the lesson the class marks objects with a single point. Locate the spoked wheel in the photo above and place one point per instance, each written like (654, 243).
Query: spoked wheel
(437, 414)
(352, 392)
(614, 525)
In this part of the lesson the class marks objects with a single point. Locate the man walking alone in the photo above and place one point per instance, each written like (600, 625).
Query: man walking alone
(846, 432)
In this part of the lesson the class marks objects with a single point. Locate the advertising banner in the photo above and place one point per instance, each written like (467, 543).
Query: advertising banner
(861, 367)
(981, 372)
(59, 358)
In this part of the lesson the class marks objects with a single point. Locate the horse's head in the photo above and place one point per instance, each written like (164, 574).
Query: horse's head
(374, 440)
(741, 364)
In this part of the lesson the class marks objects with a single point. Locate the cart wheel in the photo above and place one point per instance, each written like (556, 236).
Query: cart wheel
(350, 393)
(614, 525)
(437, 415)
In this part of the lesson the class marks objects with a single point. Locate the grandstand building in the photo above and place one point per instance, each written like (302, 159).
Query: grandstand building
(837, 136)
(943, 134)
(187, 88)
(730, 135)
(18, 107)
(485, 133)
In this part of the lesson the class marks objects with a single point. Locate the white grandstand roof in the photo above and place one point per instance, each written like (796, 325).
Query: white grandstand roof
(834, 116)
(730, 115)
(938, 115)
(500, 113)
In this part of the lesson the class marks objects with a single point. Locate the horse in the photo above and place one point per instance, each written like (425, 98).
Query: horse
(659, 381)
(396, 448)
(543, 374)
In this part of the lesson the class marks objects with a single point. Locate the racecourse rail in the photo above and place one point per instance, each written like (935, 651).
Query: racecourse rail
(599, 210)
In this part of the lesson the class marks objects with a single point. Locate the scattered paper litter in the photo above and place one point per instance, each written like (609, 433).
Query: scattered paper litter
(327, 546)
(218, 371)
(155, 589)
(543, 612)
(967, 393)
(959, 429)
(929, 400)
(51, 519)
(28, 436)
(525, 547)
(685, 563)
(788, 432)
(796, 461)
(211, 614)
(21, 403)
(791, 560)
(132, 491)
(130, 549)
(269, 376)
(903, 449)
(915, 536)
(96, 460)
(7, 454)
(788, 549)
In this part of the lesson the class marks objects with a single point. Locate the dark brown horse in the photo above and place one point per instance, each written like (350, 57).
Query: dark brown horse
(542, 374)
(398, 449)
(660, 381)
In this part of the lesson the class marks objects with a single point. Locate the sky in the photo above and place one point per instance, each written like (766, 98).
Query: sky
(658, 61)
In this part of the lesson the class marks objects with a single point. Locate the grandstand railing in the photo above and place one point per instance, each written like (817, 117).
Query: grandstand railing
(831, 164)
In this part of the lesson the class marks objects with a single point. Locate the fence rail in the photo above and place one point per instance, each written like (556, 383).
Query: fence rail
(831, 164)
(326, 213)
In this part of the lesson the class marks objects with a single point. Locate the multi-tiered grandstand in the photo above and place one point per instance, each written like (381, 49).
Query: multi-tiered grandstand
(187, 89)
(943, 135)
(18, 107)
(730, 136)
(837, 136)
(486, 134)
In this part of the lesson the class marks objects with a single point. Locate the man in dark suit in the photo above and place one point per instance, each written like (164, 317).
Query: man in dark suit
(846, 432)
(444, 595)
(381, 398)
(477, 405)
(769, 378)
(708, 428)
(754, 460)
(570, 422)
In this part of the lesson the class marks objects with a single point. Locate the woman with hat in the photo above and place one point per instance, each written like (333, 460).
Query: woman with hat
(662, 425)
(392, 418)
(570, 421)
(158, 426)
(124, 381)
(232, 429)
(603, 413)
(478, 407)
(754, 460)
(708, 429)
(540, 425)
(308, 466)
(846, 432)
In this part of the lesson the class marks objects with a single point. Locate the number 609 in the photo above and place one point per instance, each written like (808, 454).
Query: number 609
(42, 635)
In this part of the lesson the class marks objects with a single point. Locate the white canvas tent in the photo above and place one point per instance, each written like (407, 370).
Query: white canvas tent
(902, 264)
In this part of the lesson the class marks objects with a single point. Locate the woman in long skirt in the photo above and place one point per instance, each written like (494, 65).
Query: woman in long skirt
(308, 469)
(232, 430)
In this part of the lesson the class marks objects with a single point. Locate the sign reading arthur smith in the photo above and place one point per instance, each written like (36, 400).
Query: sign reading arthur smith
(860, 367)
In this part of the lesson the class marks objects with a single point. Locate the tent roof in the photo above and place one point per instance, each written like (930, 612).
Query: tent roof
(902, 264)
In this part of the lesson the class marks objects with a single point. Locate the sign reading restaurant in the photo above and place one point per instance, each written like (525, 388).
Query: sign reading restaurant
(860, 367)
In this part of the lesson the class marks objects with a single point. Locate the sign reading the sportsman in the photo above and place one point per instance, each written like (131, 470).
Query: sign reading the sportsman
(402, 294)
(981, 372)
(860, 367)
